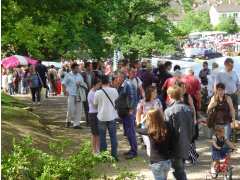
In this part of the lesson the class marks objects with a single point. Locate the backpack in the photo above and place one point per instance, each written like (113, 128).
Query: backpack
(122, 105)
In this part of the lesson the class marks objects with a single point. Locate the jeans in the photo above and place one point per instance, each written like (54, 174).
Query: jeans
(234, 98)
(11, 88)
(227, 131)
(36, 93)
(111, 127)
(179, 169)
(130, 132)
(160, 169)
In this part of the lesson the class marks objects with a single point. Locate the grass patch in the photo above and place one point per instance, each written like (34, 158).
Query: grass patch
(11, 101)
(10, 113)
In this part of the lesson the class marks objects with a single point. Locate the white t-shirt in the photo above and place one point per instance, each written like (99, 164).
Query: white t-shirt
(4, 81)
(70, 81)
(106, 111)
(10, 78)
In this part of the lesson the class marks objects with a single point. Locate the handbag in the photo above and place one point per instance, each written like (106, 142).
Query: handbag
(211, 118)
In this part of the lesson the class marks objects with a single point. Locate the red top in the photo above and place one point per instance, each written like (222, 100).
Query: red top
(193, 87)
(168, 83)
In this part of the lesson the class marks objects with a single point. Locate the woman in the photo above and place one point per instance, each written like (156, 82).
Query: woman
(159, 133)
(34, 84)
(93, 116)
(4, 80)
(149, 102)
(223, 105)
(187, 99)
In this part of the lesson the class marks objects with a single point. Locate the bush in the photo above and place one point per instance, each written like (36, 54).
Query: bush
(27, 162)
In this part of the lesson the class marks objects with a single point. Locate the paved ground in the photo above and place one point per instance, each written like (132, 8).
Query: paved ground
(53, 113)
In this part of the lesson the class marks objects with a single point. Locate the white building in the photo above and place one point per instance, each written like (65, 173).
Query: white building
(224, 10)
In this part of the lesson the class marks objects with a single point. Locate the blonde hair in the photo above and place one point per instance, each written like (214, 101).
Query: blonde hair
(175, 92)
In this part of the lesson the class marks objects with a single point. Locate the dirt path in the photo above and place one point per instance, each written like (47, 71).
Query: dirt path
(53, 113)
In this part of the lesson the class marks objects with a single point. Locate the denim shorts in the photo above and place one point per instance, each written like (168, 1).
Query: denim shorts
(160, 169)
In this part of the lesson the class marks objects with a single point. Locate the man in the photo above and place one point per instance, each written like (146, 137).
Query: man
(161, 76)
(168, 83)
(128, 89)
(145, 75)
(137, 82)
(204, 73)
(42, 71)
(168, 66)
(104, 99)
(88, 77)
(193, 87)
(212, 79)
(231, 81)
(180, 118)
(52, 77)
(73, 87)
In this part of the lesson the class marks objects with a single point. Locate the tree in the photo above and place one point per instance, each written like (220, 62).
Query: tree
(50, 29)
(140, 27)
(228, 24)
(195, 21)
(87, 28)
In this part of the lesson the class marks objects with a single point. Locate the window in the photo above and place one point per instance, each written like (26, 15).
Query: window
(235, 14)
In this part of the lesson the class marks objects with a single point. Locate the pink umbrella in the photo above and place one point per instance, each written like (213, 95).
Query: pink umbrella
(16, 60)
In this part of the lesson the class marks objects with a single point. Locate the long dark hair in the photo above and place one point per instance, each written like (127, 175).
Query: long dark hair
(156, 127)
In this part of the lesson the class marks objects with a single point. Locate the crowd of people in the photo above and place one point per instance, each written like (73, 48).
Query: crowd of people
(159, 105)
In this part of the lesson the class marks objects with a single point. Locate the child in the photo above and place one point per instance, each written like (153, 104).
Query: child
(161, 143)
(219, 149)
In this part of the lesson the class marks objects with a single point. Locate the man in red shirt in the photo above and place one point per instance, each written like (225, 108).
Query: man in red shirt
(193, 86)
(177, 75)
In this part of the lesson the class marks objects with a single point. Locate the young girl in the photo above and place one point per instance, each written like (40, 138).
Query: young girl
(93, 116)
(149, 102)
(219, 149)
(159, 133)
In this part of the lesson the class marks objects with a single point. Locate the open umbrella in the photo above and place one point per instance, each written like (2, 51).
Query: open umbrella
(16, 60)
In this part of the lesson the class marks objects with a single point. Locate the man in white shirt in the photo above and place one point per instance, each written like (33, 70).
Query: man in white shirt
(104, 99)
(73, 87)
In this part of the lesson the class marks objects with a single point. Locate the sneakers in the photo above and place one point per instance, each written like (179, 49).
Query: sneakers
(213, 172)
(130, 156)
(126, 153)
(77, 127)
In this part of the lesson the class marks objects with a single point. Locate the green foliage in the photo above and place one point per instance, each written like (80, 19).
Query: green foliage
(141, 28)
(228, 24)
(50, 29)
(85, 29)
(195, 21)
(187, 5)
(27, 162)
(126, 175)
(7, 100)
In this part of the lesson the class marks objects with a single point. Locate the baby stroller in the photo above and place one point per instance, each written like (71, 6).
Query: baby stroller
(223, 167)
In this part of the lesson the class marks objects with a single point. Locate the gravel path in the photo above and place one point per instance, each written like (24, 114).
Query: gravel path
(53, 113)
